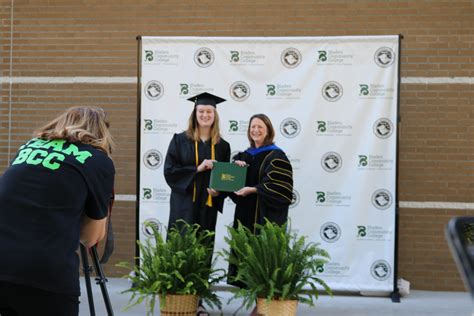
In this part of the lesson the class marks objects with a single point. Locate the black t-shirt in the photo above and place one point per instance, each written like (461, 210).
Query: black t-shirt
(45, 192)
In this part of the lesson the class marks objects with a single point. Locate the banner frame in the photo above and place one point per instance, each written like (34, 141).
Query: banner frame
(395, 295)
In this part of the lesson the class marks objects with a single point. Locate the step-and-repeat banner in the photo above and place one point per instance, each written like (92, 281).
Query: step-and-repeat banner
(333, 104)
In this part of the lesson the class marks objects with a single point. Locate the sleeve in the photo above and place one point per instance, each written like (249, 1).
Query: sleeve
(239, 156)
(100, 182)
(219, 200)
(178, 176)
(276, 185)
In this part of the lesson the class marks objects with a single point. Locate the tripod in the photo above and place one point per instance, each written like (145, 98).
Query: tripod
(100, 279)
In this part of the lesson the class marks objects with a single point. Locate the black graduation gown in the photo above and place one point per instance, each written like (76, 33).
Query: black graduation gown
(181, 174)
(271, 173)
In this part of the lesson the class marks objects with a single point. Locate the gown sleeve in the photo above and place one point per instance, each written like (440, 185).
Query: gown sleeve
(179, 176)
(235, 198)
(219, 200)
(276, 185)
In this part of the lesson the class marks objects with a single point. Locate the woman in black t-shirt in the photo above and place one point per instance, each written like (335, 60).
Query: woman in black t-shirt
(54, 195)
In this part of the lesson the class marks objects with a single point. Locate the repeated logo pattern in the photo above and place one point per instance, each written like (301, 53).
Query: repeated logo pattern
(152, 159)
(330, 232)
(327, 112)
(204, 57)
(331, 162)
(154, 90)
(291, 58)
(290, 127)
(332, 91)
(239, 91)
(384, 57)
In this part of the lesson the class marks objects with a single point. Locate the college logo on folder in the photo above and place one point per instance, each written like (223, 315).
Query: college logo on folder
(227, 177)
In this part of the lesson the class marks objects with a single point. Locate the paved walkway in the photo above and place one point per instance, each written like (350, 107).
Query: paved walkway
(418, 303)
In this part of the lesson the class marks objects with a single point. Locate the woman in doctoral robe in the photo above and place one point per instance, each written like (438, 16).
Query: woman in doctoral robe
(269, 183)
(189, 162)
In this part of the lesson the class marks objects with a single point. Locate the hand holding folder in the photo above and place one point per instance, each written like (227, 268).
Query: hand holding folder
(227, 177)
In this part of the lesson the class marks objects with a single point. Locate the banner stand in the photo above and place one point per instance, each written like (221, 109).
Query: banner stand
(139, 134)
(285, 80)
(395, 295)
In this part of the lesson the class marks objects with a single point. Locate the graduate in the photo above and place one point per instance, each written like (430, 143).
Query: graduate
(188, 166)
(189, 162)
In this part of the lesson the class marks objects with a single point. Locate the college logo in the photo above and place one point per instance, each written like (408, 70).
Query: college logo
(322, 56)
(204, 57)
(154, 90)
(383, 128)
(148, 231)
(183, 89)
(363, 160)
(330, 232)
(147, 193)
(290, 127)
(384, 57)
(160, 126)
(331, 162)
(380, 270)
(239, 91)
(364, 89)
(361, 231)
(375, 162)
(148, 125)
(291, 58)
(233, 126)
(332, 91)
(271, 89)
(238, 127)
(152, 159)
(321, 126)
(295, 199)
(382, 199)
(149, 55)
(320, 197)
(234, 56)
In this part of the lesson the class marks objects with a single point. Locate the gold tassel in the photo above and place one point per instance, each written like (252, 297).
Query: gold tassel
(197, 163)
(213, 157)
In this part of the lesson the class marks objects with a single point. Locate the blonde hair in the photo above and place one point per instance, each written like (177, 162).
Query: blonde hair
(270, 131)
(84, 124)
(193, 128)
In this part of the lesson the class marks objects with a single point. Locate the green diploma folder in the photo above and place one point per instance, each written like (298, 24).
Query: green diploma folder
(227, 177)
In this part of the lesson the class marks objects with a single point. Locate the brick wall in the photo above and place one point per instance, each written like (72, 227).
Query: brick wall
(82, 38)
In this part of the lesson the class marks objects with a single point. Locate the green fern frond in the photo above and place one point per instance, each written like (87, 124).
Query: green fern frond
(275, 264)
(179, 264)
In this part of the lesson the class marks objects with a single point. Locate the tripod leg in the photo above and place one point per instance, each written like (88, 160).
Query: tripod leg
(101, 280)
(87, 269)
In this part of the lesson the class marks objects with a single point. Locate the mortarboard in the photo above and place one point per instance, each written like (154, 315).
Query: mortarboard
(206, 99)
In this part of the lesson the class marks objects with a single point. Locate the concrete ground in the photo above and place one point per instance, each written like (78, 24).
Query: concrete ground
(418, 303)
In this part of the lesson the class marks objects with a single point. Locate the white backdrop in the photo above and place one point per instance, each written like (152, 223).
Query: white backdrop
(333, 104)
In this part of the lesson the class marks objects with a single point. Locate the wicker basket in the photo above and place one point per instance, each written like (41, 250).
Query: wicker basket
(276, 308)
(179, 305)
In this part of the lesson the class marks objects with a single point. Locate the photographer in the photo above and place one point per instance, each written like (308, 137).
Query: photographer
(54, 195)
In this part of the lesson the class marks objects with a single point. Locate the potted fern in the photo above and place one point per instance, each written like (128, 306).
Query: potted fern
(178, 270)
(274, 268)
